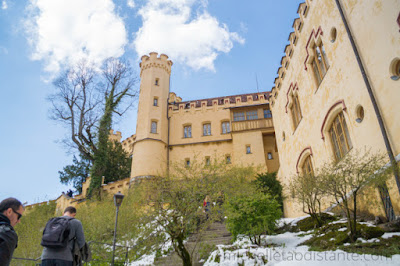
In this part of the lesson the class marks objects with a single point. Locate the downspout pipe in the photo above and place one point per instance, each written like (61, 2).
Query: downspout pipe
(371, 95)
(168, 119)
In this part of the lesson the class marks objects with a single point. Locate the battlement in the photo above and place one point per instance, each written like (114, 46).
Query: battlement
(226, 101)
(289, 50)
(154, 61)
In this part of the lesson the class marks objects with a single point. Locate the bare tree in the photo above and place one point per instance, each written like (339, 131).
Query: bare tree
(349, 178)
(85, 101)
(307, 189)
(76, 104)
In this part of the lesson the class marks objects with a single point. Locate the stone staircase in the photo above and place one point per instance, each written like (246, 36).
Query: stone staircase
(202, 244)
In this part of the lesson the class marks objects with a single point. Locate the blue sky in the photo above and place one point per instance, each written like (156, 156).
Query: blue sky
(217, 46)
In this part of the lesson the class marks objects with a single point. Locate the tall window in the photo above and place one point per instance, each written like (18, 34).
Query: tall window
(238, 116)
(267, 113)
(207, 129)
(251, 115)
(248, 149)
(307, 166)
(153, 127)
(228, 159)
(156, 82)
(226, 127)
(340, 137)
(295, 111)
(269, 156)
(155, 101)
(320, 62)
(187, 162)
(187, 131)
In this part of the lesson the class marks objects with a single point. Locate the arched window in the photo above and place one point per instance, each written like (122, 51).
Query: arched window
(307, 167)
(340, 137)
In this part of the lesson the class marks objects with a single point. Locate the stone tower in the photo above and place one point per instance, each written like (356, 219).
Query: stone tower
(150, 148)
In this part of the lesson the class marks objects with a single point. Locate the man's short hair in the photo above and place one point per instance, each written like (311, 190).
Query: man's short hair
(12, 203)
(70, 209)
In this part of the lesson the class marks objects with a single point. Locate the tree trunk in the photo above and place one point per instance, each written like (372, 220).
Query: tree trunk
(183, 253)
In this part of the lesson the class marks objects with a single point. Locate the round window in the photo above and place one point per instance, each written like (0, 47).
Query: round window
(360, 114)
(395, 69)
(333, 35)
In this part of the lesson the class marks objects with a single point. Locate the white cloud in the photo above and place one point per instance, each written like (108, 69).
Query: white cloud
(4, 5)
(131, 3)
(188, 37)
(63, 32)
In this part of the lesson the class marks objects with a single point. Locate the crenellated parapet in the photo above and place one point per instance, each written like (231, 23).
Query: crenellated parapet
(290, 48)
(227, 101)
(154, 61)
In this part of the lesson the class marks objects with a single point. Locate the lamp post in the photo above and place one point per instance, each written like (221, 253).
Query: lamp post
(118, 197)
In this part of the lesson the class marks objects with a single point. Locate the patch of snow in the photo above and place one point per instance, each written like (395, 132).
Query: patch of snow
(389, 235)
(287, 252)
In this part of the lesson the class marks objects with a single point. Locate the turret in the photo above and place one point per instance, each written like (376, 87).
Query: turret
(150, 148)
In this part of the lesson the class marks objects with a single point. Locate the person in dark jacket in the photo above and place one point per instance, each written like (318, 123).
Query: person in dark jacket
(64, 256)
(11, 211)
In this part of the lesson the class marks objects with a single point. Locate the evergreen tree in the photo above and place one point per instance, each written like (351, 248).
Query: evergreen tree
(269, 184)
(75, 173)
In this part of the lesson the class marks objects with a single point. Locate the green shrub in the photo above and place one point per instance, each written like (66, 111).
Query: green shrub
(369, 232)
(252, 215)
(310, 223)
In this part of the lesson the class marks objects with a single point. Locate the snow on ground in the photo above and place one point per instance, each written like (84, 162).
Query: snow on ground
(284, 250)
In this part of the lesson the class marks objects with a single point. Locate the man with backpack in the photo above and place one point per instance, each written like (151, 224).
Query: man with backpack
(59, 237)
(11, 211)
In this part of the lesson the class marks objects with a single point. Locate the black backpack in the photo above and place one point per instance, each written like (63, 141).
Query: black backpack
(56, 232)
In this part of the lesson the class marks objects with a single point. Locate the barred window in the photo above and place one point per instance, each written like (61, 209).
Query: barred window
(207, 129)
(238, 116)
(340, 137)
(187, 131)
(226, 127)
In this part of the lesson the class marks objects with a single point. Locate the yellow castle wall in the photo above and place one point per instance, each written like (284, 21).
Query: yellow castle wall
(343, 84)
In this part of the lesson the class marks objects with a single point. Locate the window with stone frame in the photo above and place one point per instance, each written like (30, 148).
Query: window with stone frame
(248, 149)
(153, 127)
(226, 127)
(155, 101)
(267, 113)
(295, 111)
(207, 129)
(340, 137)
(251, 115)
(307, 167)
(319, 63)
(187, 131)
(239, 116)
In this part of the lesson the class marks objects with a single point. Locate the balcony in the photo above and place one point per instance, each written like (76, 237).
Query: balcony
(252, 124)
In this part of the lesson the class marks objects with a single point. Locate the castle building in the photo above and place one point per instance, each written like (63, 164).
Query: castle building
(337, 89)
(237, 129)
